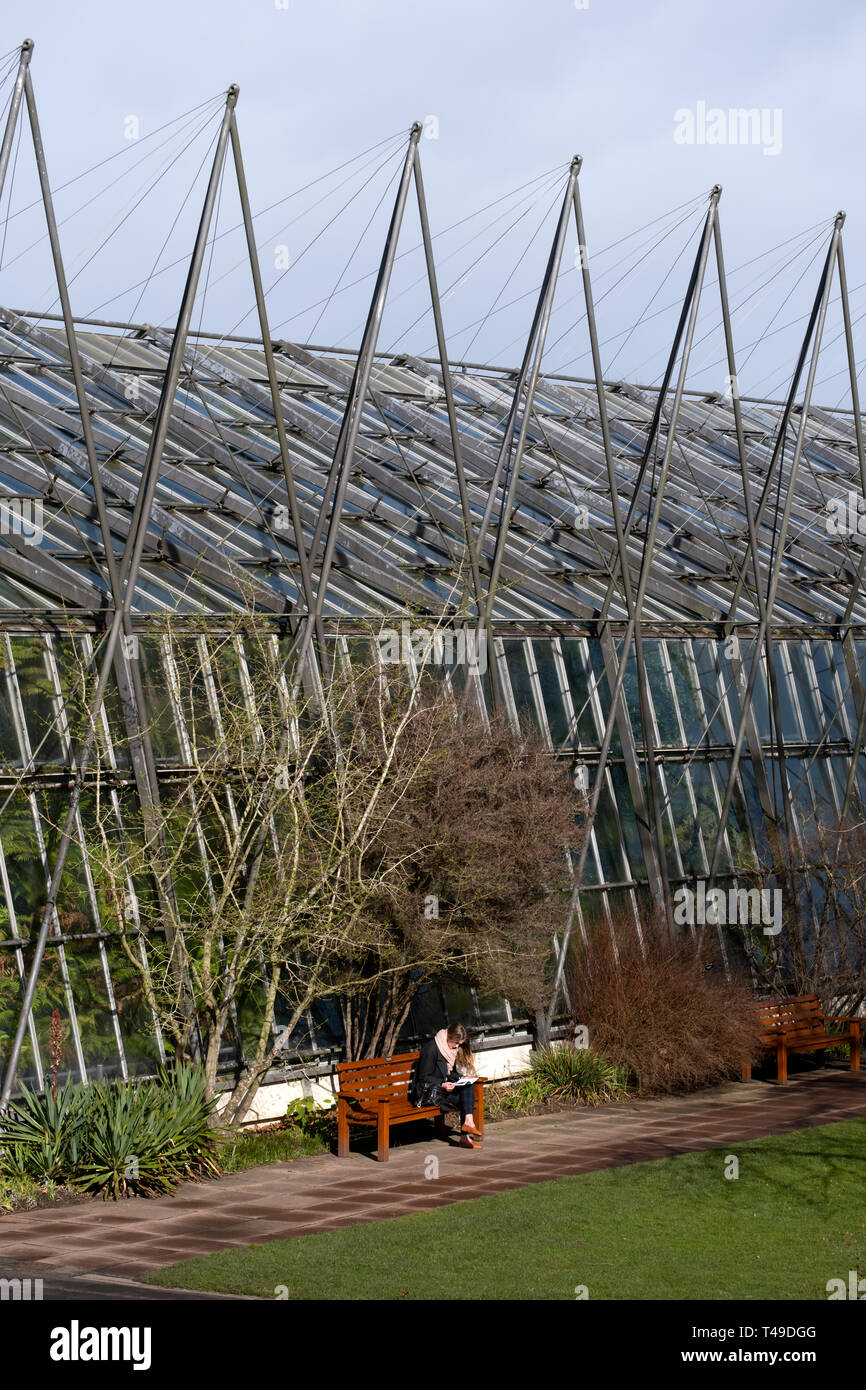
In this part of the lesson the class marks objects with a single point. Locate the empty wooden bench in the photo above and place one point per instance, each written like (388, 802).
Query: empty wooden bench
(798, 1025)
(376, 1092)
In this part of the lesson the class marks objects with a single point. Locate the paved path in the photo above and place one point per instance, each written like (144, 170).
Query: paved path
(89, 1243)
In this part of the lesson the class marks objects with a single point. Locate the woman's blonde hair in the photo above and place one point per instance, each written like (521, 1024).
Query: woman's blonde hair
(465, 1061)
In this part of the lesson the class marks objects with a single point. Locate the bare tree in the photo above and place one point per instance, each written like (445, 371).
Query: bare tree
(481, 818)
(822, 947)
(295, 848)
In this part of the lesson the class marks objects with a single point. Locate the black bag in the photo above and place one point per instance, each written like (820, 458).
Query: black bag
(428, 1093)
(416, 1092)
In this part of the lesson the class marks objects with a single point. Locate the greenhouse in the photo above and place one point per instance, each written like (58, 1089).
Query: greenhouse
(556, 628)
(665, 583)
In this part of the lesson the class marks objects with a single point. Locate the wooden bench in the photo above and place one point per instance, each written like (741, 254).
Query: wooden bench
(376, 1092)
(798, 1025)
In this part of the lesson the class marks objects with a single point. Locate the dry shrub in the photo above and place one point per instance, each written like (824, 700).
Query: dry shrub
(666, 1012)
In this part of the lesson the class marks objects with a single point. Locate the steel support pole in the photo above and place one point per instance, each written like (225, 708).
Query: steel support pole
(821, 303)
(752, 548)
(545, 309)
(851, 779)
(778, 449)
(273, 382)
(338, 476)
(613, 489)
(775, 460)
(468, 528)
(511, 453)
(14, 109)
(129, 685)
(858, 423)
(655, 423)
(649, 544)
(129, 574)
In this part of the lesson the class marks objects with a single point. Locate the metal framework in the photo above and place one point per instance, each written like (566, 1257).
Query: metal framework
(651, 569)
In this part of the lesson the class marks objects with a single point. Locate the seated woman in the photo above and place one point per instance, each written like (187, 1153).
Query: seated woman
(444, 1059)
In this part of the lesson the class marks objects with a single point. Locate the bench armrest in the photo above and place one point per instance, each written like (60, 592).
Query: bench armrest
(837, 1018)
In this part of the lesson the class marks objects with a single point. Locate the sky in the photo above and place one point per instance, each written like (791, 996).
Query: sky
(507, 92)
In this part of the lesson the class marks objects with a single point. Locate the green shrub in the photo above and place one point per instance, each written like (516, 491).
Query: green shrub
(148, 1138)
(564, 1075)
(41, 1136)
(568, 1073)
(315, 1121)
(114, 1137)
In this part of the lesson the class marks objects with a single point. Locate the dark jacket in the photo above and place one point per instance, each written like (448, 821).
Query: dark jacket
(430, 1071)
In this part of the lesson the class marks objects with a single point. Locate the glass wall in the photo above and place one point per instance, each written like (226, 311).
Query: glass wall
(557, 682)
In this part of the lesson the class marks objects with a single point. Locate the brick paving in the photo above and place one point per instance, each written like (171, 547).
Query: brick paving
(95, 1247)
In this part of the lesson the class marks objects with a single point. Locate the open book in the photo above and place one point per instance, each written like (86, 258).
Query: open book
(465, 1081)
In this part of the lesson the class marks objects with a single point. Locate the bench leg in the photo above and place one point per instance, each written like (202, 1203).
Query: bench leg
(478, 1107)
(384, 1121)
(342, 1129)
(440, 1128)
(781, 1063)
(855, 1053)
(747, 1071)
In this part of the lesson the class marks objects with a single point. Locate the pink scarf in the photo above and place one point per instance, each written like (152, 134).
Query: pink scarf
(448, 1052)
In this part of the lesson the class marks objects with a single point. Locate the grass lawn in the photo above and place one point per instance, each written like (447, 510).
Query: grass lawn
(674, 1229)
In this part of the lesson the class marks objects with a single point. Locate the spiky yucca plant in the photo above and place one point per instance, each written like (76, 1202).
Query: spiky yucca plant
(113, 1137)
(577, 1074)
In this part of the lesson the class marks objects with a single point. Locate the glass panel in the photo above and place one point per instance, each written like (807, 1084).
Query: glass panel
(579, 685)
(607, 838)
(11, 995)
(191, 665)
(551, 694)
(37, 697)
(705, 653)
(10, 750)
(136, 1021)
(160, 716)
(427, 1014)
(760, 706)
(492, 1010)
(662, 696)
(684, 684)
(746, 773)
(705, 800)
(603, 692)
(23, 865)
(790, 723)
(92, 1010)
(831, 713)
(803, 684)
(632, 697)
(459, 1003)
(521, 685)
(628, 819)
(685, 823)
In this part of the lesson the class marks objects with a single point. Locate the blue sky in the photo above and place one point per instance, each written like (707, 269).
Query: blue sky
(510, 91)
